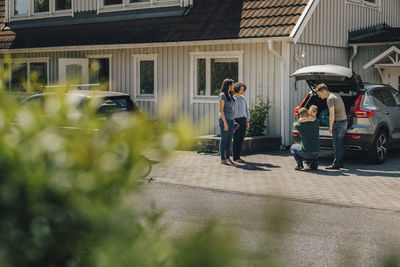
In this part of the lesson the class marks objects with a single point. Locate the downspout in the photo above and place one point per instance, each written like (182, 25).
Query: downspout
(275, 53)
(355, 51)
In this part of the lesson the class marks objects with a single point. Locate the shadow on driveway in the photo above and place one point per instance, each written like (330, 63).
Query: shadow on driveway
(254, 166)
(356, 163)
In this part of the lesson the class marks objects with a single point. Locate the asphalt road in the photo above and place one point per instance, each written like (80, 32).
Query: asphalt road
(309, 235)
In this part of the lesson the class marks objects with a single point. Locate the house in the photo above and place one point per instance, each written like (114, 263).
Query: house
(180, 50)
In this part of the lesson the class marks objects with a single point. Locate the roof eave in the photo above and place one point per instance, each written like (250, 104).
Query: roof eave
(138, 45)
(303, 20)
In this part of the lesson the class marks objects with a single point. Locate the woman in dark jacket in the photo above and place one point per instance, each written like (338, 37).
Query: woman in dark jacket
(226, 120)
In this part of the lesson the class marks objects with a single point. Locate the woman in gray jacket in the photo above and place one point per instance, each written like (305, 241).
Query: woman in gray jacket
(242, 119)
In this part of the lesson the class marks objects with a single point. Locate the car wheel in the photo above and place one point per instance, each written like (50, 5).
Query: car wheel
(378, 152)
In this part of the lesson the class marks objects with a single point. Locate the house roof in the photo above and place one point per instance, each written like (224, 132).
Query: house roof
(375, 34)
(207, 20)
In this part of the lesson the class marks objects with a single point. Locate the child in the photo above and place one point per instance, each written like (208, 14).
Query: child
(312, 114)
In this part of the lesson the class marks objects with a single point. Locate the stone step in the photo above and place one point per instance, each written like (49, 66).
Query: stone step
(251, 145)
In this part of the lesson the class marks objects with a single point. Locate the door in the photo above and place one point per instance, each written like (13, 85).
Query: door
(73, 70)
(396, 113)
(390, 100)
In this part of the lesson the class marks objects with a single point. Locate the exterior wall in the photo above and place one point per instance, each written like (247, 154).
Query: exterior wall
(364, 55)
(84, 5)
(332, 20)
(261, 72)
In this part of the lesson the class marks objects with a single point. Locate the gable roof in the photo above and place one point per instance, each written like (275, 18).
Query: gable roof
(381, 33)
(389, 57)
(207, 20)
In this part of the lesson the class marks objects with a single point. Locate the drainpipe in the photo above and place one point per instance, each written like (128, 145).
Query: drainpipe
(355, 51)
(275, 53)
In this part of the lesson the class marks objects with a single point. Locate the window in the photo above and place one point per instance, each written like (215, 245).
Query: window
(41, 6)
(99, 73)
(370, 3)
(127, 4)
(21, 7)
(398, 85)
(25, 75)
(62, 5)
(38, 8)
(377, 95)
(222, 68)
(210, 69)
(396, 95)
(112, 2)
(146, 73)
(388, 98)
(146, 77)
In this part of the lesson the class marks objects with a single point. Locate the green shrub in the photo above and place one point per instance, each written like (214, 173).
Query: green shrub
(259, 116)
(64, 176)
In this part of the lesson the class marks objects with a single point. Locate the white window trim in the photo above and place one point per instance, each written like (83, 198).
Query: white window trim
(28, 61)
(32, 15)
(194, 98)
(364, 3)
(137, 95)
(109, 56)
(101, 8)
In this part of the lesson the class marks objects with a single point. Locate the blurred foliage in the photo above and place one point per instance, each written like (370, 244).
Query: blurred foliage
(259, 116)
(64, 175)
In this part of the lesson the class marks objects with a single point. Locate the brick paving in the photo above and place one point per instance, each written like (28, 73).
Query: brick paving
(358, 184)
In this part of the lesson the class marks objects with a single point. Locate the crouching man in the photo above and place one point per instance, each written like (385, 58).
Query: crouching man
(309, 148)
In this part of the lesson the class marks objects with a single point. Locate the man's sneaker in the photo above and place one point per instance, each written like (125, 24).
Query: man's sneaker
(299, 167)
(314, 165)
(332, 167)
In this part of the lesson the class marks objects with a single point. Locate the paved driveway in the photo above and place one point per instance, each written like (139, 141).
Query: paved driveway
(273, 175)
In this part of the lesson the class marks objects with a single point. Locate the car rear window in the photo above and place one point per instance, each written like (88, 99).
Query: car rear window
(115, 104)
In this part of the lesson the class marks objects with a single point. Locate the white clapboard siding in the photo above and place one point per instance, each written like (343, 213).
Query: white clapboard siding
(332, 20)
(364, 55)
(261, 74)
(85, 5)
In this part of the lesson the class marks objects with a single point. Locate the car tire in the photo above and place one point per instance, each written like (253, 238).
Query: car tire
(379, 149)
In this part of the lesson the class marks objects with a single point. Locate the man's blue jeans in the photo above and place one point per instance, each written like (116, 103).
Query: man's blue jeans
(226, 139)
(300, 155)
(338, 131)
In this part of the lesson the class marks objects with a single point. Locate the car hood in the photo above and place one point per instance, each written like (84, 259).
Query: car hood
(329, 74)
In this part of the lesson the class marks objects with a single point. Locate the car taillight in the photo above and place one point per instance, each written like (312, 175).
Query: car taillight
(296, 109)
(362, 113)
(354, 136)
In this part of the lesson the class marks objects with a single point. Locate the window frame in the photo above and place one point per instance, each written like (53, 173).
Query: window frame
(28, 61)
(37, 15)
(365, 3)
(125, 5)
(208, 98)
(137, 95)
(109, 57)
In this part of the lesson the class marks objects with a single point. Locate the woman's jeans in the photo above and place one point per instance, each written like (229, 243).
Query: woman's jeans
(238, 137)
(226, 139)
(338, 131)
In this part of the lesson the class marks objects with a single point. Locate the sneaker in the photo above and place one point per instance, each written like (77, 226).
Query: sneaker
(332, 167)
(299, 167)
(239, 161)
